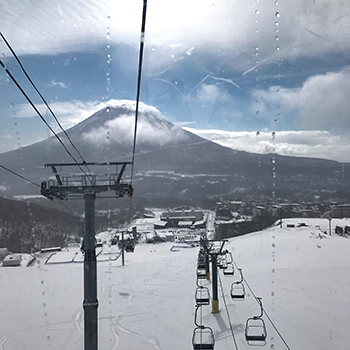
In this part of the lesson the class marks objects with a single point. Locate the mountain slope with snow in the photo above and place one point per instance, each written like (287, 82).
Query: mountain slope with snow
(302, 278)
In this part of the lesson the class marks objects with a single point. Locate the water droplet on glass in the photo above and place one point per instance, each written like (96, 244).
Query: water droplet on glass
(107, 110)
(153, 49)
(277, 48)
(277, 14)
(213, 6)
(276, 23)
(272, 346)
(256, 48)
(276, 2)
(276, 38)
(257, 12)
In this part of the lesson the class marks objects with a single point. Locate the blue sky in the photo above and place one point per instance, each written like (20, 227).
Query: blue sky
(262, 76)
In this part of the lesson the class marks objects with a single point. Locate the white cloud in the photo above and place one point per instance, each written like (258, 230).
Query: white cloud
(315, 144)
(322, 102)
(68, 113)
(58, 83)
(179, 29)
(156, 133)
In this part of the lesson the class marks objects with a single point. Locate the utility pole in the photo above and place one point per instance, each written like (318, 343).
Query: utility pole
(87, 186)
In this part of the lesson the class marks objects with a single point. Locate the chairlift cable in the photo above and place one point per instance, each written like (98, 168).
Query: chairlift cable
(142, 44)
(228, 314)
(41, 96)
(35, 184)
(22, 177)
(264, 310)
(39, 114)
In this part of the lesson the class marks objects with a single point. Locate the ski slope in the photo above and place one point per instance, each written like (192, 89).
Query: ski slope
(149, 303)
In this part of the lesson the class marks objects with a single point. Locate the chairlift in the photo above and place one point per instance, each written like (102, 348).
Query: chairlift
(237, 288)
(201, 262)
(202, 295)
(229, 257)
(255, 329)
(201, 273)
(230, 269)
(237, 291)
(202, 337)
(223, 264)
(219, 261)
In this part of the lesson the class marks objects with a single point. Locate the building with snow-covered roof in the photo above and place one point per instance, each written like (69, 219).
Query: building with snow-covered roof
(12, 260)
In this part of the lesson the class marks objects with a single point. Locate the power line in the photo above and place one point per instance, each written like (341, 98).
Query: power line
(142, 44)
(41, 96)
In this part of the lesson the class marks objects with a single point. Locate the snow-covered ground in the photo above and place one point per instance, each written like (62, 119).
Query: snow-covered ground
(148, 304)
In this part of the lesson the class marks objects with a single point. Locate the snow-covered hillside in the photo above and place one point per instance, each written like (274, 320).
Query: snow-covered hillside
(303, 280)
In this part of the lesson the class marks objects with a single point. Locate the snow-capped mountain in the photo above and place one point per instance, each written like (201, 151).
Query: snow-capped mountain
(171, 162)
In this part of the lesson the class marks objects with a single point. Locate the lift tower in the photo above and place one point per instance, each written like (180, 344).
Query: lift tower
(213, 252)
(87, 186)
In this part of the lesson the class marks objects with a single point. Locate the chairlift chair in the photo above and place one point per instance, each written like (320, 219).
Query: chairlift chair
(255, 329)
(219, 261)
(201, 262)
(229, 257)
(237, 288)
(202, 337)
(201, 273)
(202, 296)
(223, 264)
(237, 291)
(230, 269)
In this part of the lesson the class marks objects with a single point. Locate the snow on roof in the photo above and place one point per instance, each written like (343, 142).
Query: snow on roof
(12, 260)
